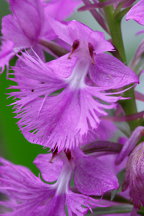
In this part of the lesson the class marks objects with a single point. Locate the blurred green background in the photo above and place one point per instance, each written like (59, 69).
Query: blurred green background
(13, 146)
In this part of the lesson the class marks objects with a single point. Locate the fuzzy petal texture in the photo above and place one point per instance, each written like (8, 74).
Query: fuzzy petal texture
(32, 74)
(6, 53)
(57, 107)
(136, 12)
(27, 193)
(79, 204)
(66, 120)
(94, 176)
(68, 116)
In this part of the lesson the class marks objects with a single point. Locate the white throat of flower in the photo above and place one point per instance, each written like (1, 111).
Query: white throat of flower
(77, 78)
(63, 181)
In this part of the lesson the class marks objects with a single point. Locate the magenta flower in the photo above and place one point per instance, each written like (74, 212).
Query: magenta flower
(60, 9)
(29, 195)
(29, 22)
(95, 171)
(136, 12)
(61, 102)
(87, 170)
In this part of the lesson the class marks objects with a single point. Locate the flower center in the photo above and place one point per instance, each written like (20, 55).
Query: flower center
(85, 49)
(77, 78)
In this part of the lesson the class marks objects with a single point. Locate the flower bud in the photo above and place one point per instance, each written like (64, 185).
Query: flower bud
(135, 176)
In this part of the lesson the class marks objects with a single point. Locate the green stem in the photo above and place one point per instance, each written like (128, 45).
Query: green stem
(115, 31)
(114, 23)
(130, 107)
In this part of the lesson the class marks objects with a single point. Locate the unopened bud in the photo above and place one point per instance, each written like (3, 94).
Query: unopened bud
(135, 176)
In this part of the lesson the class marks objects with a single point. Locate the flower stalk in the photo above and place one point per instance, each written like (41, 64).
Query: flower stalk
(114, 24)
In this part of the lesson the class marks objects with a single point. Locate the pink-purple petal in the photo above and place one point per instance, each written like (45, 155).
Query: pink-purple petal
(12, 31)
(27, 194)
(63, 66)
(130, 144)
(134, 175)
(79, 204)
(73, 30)
(29, 16)
(110, 73)
(136, 12)
(49, 167)
(97, 174)
(61, 9)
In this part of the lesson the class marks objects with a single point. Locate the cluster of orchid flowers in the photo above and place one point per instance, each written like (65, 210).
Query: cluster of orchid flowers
(70, 105)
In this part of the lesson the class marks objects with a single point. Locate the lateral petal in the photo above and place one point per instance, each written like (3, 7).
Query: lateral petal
(110, 73)
(94, 176)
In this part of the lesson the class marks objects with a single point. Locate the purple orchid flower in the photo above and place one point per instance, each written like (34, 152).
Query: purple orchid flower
(100, 174)
(61, 102)
(29, 195)
(29, 23)
(136, 12)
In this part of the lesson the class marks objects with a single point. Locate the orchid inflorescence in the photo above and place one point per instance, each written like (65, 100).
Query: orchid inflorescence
(72, 106)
